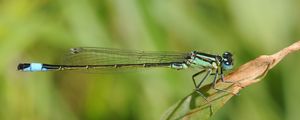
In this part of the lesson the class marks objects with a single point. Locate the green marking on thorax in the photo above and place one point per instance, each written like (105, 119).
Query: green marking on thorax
(200, 63)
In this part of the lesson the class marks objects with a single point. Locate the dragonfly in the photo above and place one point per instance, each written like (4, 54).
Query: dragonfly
(101, 59)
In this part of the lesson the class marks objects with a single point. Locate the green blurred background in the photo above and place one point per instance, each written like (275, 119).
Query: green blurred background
(42, 30)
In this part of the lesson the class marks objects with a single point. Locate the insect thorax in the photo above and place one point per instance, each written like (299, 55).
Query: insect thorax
(200, 60)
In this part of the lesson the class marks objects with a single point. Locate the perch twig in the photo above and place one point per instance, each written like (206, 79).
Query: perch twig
(194, 107)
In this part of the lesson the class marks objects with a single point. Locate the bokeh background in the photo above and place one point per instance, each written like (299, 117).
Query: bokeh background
(42, 30)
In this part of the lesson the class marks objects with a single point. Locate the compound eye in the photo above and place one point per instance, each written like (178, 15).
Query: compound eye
(227, 54)
(227, 65)
(227, 62)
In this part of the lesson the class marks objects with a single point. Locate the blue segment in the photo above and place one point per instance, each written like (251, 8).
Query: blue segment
(35, 67)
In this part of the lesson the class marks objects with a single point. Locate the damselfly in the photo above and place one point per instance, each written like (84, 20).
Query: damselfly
(93, 58)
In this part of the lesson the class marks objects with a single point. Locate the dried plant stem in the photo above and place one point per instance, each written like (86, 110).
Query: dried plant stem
(254, 70)
(194, 107)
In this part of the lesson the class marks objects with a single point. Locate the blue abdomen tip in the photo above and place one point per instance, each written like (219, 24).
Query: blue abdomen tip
(31, 67)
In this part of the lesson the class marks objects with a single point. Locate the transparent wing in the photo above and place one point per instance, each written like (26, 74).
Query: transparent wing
(109, 56)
